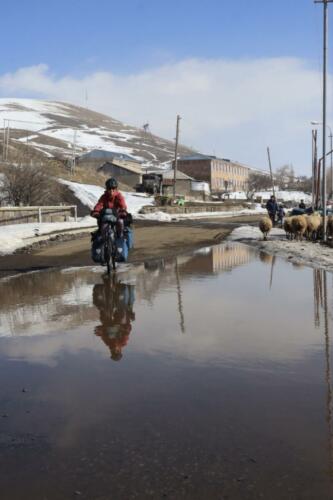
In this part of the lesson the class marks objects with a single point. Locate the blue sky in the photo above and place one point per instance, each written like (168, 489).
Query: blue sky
(142, 40)
(127, 35)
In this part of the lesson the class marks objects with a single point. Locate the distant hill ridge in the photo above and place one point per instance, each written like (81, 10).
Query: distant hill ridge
(51, 128)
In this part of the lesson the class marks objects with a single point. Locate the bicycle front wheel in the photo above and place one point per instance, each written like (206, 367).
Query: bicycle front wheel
(110, 255)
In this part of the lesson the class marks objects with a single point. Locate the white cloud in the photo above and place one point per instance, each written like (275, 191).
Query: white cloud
(231, 108)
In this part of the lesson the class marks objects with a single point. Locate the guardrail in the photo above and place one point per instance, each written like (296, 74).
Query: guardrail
(20, 215)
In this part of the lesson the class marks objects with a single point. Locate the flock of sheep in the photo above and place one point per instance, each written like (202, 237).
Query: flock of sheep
(299, 226)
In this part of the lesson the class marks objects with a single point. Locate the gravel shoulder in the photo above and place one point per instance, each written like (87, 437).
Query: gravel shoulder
(311, 254)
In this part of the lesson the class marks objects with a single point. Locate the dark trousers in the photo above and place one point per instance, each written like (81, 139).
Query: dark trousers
(272, 217)
(119, 227)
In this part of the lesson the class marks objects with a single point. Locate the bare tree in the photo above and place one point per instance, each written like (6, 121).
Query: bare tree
(257, 182)
(285, 176)
(29, 185)
(304, 183)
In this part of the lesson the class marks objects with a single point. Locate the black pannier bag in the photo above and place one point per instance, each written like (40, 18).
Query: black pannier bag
(128, 219)
(97, 247)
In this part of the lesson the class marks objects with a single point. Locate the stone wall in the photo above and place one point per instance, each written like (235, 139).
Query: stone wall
(202, 207)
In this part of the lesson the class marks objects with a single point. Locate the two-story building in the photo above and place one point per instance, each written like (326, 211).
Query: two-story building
(221, 174)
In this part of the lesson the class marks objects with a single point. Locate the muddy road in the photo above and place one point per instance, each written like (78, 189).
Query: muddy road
(151, 241)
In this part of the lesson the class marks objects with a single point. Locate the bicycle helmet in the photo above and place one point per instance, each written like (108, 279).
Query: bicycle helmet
(111, 183)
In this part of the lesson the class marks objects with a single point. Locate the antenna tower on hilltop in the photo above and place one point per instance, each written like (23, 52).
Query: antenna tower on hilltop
(146, 128)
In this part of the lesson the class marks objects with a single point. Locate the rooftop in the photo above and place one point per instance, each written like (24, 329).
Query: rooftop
(135, 169)
(169, 174)
(103, 154)
(197, 156)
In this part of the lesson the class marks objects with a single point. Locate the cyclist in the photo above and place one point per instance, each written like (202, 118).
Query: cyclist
(112, 198)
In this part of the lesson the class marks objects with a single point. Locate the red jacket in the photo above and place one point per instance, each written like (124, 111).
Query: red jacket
(107, 200)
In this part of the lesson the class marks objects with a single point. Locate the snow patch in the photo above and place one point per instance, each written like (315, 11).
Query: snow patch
(89, 195)
(295, 196)
(15, 236)
(299, 252)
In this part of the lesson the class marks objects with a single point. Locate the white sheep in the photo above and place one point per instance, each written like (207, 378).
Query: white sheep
(265, 225)
(313, 226)
(329, 229)
(287, 226)
(299, 224)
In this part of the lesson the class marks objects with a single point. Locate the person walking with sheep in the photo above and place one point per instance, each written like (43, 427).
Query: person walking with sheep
(280, 215)
(272, 208)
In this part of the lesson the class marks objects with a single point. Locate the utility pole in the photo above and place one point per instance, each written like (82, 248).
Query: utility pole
(176, 157)
(330, 153)
(270, 169)
(314, 168)
(331, 147)
(4, 141)
(325, 24)
(7, 140)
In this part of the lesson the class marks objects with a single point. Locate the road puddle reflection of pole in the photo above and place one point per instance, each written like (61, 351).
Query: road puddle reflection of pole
(316, 297)
(268, 259)
(328, 371)
(320, 300)
(272, 269)
(180, 301)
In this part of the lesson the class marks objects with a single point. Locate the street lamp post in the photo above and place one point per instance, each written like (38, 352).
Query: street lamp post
(314, 169)
(331, 168)
(325, 25)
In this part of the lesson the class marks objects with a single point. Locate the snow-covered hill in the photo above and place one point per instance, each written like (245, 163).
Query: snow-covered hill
(51, 128)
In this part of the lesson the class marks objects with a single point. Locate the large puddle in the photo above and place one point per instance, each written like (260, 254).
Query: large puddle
(203, 376)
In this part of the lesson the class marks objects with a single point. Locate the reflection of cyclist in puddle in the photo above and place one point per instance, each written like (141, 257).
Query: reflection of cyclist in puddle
(115, 303)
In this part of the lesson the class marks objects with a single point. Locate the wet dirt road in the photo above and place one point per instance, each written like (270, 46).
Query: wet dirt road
(152, 240)
(202, 376)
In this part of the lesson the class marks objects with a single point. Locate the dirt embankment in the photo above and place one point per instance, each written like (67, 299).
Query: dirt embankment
(152, 240)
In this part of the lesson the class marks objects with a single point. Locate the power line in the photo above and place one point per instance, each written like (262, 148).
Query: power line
(6, 133)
